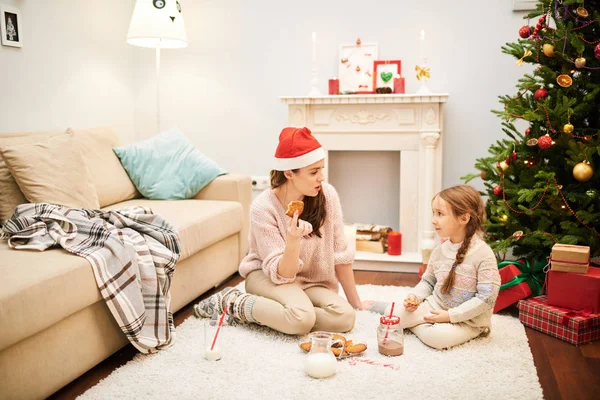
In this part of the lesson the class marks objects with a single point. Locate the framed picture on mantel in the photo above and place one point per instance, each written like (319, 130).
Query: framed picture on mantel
(356, 67)
(384, 73)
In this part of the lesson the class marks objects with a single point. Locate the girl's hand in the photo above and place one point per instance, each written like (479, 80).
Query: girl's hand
(437, 317)
(411, 303)
(298, 228)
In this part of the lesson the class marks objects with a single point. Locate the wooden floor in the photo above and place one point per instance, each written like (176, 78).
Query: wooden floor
(565, 371)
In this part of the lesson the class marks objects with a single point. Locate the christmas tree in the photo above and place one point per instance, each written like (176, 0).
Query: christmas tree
(543, 182)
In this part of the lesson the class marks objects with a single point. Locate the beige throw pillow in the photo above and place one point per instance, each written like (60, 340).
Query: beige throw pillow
(10, 194)
(52, 171)
(108, 175)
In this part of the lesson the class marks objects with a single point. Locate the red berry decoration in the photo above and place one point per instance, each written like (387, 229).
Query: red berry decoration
(597, 51)
(545, 142)
(507, 160)
(540, 94)
(525, 32)
(514, 156)
(497, 190)
(483, 175)
(528, 131)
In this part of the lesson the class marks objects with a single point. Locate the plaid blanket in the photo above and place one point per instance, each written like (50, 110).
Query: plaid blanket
(132, 252)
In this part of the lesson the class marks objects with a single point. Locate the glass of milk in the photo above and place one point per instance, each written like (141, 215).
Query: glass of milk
(210, 329)
(320, 361)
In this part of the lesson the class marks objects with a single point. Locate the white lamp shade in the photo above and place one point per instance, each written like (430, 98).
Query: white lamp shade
(157, 23)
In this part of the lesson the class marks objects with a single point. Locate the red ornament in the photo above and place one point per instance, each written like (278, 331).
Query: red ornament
(507, 160)
(545, 142)
(497, 190)
(597, 51)
(528, 131)
(514, 156)
(541, 93)
(483, 175)
(525, 32)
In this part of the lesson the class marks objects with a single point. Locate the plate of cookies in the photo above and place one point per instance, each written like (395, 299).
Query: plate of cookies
(343, 349)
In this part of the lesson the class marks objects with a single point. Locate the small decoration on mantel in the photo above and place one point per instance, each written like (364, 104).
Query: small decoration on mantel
(372, 238)
(356, 67)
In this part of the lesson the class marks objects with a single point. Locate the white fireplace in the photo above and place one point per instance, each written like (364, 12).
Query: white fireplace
(408, 124)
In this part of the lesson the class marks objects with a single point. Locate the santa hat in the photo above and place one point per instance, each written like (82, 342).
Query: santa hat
(297, 148)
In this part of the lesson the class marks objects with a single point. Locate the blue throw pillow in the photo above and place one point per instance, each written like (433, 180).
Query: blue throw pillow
(167, 166)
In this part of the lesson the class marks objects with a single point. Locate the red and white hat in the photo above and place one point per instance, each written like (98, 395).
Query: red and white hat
(297, 148)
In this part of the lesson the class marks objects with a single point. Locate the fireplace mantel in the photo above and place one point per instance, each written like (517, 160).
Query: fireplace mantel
(408, 123)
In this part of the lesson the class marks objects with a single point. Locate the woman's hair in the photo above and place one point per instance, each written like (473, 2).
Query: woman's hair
(463, 199)
(314, 207)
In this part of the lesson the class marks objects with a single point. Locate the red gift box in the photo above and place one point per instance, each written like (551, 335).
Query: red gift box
(574, 291)
(511, 295)
(576, 327)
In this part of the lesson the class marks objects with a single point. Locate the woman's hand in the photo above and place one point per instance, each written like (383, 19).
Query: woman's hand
(365, 305)
(437, 317)
(298, 228)
(411, 303)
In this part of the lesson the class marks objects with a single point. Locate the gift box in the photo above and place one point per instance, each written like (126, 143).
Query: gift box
(517, 282)
(576, 327)
(513, 293)
(574, 291)
(570, 258)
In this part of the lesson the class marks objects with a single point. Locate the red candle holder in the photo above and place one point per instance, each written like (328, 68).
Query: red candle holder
(399, 85)
(394, 243)
(334, 86)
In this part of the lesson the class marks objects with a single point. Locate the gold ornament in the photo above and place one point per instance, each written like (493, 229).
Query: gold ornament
(548, 50)
(568, 128)
(583, 171)
(580, 62)
(422, 72)
(564, 80)
(532, 142)
(503, 165)
(559, 187)
(582, 12)
(526, 54)
(517, 235)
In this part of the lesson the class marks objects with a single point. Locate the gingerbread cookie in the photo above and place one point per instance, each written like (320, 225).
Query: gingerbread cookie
(293, 206)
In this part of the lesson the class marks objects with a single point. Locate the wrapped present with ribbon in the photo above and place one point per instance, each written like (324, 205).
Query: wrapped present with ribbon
(574, 291)
(570, 258)
(575, 327)
(518, 281)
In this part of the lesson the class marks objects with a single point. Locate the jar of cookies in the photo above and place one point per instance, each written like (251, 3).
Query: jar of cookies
(390, 336)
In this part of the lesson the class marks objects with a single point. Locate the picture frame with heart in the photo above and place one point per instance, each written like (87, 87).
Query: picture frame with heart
(384, 72)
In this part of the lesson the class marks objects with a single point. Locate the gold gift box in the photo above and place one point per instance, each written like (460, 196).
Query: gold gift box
(570, 258)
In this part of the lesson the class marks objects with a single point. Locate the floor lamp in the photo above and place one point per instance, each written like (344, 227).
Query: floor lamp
(157, 24)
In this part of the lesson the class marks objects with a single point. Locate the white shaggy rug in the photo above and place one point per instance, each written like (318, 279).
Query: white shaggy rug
(259, 363)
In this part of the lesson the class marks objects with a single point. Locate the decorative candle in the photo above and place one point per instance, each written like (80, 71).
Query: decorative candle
(314, 47)
(422, 46)
(394, 243)
(334, 86)
(398, 84)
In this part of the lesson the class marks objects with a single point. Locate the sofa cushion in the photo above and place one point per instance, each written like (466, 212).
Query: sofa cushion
(168, 166)
(38, 289)
(108, 175)
(52, 171)
(10, 194)
(200, 223)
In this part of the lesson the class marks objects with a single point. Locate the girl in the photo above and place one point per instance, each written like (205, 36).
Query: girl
(294, 264)
(454, 300)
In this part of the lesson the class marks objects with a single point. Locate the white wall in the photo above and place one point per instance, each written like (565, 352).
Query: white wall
(223, 89)
(74, 69)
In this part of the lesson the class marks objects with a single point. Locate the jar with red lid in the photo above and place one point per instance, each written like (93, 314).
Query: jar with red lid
(390, 336)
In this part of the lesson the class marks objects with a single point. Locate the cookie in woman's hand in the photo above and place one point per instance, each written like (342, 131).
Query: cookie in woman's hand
(293, 206)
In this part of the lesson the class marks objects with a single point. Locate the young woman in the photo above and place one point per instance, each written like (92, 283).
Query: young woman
(295, 263)
(454, 301)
